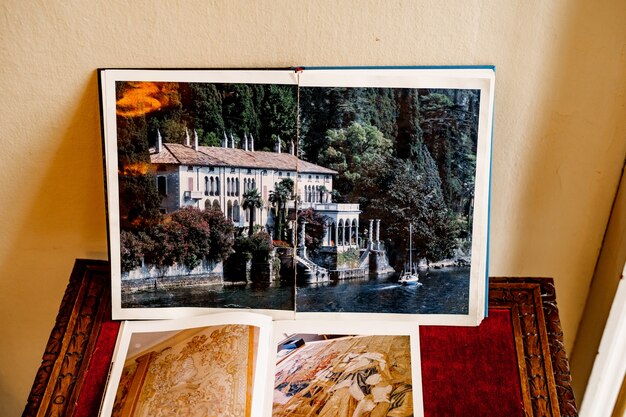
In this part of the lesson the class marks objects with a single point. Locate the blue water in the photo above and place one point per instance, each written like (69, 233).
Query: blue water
(444, 291)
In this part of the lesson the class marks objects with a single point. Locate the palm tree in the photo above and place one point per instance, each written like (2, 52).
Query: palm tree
(252, 200)
(279, 198)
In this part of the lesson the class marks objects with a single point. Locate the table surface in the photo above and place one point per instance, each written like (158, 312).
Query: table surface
(513, 364)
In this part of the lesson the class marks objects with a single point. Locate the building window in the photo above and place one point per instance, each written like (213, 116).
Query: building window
(340, 233)
(249, 171)
(237, 187)
(217, 185)
(280, 174)
(162, 185)
(229, 210)
(206, 185)
(190, 168)
(236, 212)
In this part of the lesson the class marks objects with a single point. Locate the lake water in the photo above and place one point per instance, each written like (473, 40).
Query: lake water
(444, 291)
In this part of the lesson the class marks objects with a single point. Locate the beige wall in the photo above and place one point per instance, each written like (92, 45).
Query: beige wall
(602, 290)
(559, 123)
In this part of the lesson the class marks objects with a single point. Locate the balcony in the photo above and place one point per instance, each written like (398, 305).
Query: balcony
(337, 207)
(193, 195)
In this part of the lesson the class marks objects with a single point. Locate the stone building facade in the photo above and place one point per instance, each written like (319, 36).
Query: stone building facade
(210, 176)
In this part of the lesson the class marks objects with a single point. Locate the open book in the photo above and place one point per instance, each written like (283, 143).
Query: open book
(243, 364)
(310, 193)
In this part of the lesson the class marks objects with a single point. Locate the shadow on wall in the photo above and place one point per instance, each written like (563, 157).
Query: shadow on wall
(66, 220)
(570, 160)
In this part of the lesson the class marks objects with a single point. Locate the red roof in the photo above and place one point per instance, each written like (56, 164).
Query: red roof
(174, 153)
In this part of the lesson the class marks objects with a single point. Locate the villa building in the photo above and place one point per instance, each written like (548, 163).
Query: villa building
(210, 176)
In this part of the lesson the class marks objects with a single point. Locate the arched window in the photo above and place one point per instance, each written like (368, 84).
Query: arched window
(355, 230)
(217, 186)
(254, 184)
(229, 210)
(237, 187)
(228, 187)
(216, 205)
(207, 204)
(236, 212)
(341, 233)
(206, 185)
(333, 234)
(212, 190)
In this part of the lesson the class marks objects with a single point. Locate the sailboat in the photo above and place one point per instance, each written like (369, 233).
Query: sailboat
(408, 277)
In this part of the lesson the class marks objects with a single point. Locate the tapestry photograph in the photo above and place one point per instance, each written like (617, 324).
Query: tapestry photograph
(175, 368)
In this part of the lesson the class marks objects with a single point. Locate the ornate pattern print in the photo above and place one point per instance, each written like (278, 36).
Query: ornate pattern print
(347, 377)
(206, 373)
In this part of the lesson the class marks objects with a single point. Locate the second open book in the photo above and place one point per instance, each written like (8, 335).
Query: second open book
(243, 364)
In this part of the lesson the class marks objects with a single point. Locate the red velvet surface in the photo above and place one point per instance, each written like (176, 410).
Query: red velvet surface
(88, 402)
(466, 371)
(471, 371)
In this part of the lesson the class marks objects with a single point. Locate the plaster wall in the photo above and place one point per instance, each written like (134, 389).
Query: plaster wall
(559, 138)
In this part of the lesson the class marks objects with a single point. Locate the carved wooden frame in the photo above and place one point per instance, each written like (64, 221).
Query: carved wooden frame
(546, 391)
(60, 378)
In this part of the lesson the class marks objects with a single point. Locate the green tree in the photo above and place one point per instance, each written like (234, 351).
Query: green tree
(238, 110)
(449, 120)
(278, 114)
(414, 196)
(359, 153)
(256, 247)
(221, 234)
(251, 201)
(131, 251)
(206, 104)
(191, 234)
(139, 199)
(279, 197)
(186, 237)
(409, 140)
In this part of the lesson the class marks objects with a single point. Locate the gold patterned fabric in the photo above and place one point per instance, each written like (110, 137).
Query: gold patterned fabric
(206, 374)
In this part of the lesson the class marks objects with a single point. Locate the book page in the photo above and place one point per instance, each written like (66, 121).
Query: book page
(344, 369)
(309, 193)
(204, 365)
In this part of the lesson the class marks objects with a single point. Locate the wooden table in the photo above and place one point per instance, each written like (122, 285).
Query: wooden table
(513, 364)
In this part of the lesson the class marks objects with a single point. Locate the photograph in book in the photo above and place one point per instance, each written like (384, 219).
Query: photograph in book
(168, 369)
(332, 375)
(205, 174)
(403, 229)
(314, 192)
